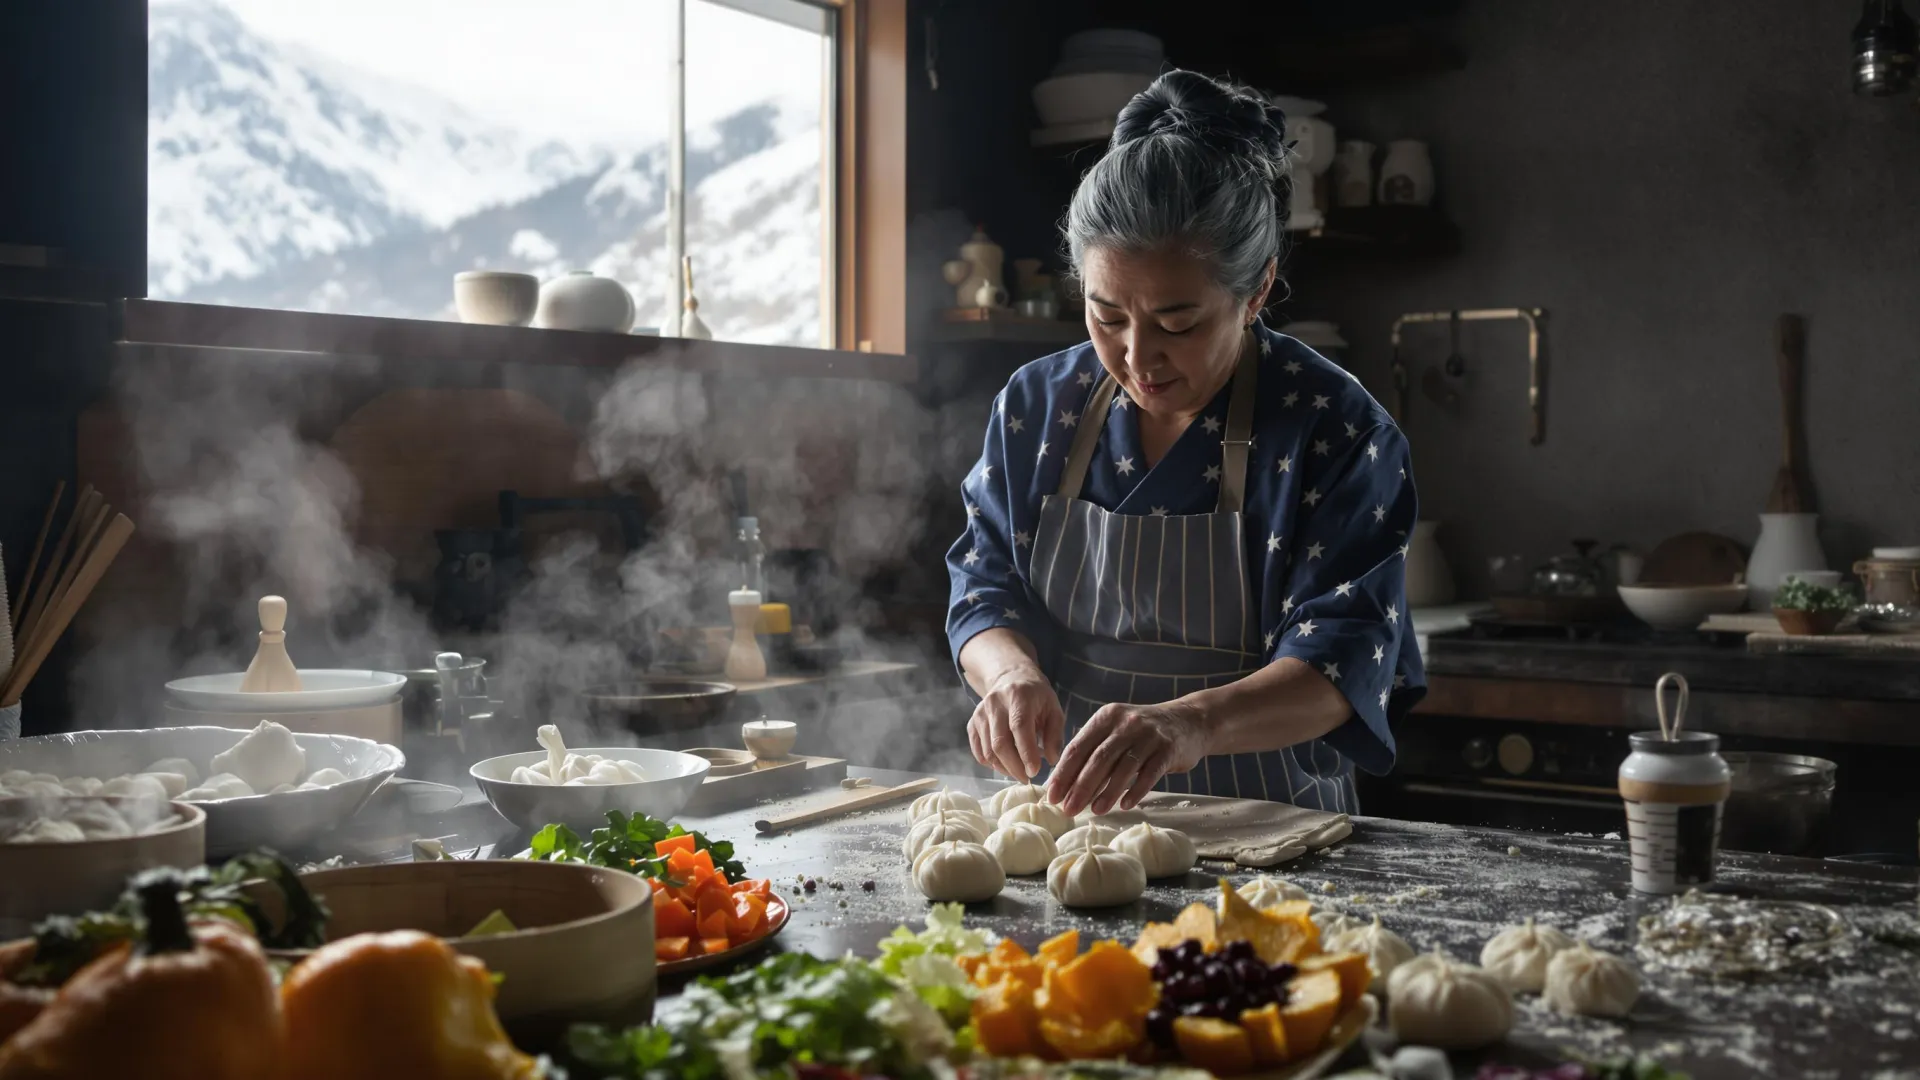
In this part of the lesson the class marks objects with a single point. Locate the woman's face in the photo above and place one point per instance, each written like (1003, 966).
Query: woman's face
(1165, 330)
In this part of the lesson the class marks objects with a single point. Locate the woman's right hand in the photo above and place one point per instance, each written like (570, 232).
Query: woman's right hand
(1018, 726)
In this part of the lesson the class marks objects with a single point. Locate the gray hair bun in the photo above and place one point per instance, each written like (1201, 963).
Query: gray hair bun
(1193, 162)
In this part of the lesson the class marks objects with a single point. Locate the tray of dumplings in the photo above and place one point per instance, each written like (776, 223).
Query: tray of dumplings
(265, 787)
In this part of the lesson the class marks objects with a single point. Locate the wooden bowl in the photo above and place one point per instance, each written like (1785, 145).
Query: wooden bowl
(583, 951)
(1805, 623)
(87, 875)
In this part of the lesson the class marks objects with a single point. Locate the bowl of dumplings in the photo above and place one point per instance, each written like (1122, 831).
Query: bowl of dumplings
(576, 788)
(264, 787)
(68, 853)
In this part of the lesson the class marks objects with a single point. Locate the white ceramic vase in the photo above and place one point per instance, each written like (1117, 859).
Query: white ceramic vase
(1429, 579)
(1406, 174)
(579, 300)
(1353, 174)
(1788, 543)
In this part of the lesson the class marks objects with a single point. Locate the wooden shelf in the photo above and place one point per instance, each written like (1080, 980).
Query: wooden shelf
(1011, 328)
(211, 326)
(1382, 230)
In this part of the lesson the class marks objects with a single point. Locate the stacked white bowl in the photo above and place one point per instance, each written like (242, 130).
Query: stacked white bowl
(1098, 73)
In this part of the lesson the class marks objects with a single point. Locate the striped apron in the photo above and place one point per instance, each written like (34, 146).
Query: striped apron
(1151, 607)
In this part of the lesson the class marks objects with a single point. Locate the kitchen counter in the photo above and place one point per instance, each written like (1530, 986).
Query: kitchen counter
(1436, 885)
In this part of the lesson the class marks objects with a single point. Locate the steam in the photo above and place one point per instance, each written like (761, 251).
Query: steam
(245, 499)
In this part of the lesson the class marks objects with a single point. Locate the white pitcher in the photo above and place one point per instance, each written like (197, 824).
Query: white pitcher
(1788, 542)
(1429, 579)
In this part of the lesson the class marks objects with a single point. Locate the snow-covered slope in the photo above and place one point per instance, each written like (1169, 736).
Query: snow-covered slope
(287, 181)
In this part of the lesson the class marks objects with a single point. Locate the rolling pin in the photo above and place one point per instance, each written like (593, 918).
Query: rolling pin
(846, 806)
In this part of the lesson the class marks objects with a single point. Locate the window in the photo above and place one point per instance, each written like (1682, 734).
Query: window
(352, 156)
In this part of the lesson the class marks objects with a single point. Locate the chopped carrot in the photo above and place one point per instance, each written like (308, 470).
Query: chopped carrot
(703, 864)
(667, 949)
(749, 914)
(712, 894)
(671, 918)
(681, 866)
(760, 887)
(776, 910)
(672, 844)
(711, 945)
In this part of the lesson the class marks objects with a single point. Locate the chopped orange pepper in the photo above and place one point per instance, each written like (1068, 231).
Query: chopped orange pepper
(712, 945)
(674, 843)
(748, 916)
(671, 918)
(667, 949)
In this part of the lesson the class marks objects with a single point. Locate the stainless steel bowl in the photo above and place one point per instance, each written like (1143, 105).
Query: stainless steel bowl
(1780, 802)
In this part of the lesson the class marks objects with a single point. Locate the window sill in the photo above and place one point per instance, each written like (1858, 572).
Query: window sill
(212, 326)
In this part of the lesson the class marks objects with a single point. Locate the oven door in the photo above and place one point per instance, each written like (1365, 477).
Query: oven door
(1502, 773)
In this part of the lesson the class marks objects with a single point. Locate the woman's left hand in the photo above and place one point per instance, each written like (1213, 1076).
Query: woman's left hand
(1122, 751)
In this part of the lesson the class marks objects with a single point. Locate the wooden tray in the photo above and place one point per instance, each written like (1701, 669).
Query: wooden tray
(768, 779)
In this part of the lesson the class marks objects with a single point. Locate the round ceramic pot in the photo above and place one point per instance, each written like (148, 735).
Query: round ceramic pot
(1406, 174)
(581, 301)
(495, 297)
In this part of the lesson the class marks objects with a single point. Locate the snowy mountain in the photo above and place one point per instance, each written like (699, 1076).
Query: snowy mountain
(284, 180)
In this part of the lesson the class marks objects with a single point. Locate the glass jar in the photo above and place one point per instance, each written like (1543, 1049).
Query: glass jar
(1675, 790)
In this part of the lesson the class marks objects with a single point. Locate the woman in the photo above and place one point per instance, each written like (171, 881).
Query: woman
(1183, 563)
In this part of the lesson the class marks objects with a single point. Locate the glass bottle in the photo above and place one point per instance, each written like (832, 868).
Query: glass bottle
(752, 553)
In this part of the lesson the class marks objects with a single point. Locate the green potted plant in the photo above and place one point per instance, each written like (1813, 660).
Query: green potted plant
(1805, 608)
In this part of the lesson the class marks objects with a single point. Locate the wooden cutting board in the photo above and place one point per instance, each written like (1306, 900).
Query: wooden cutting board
(771, 780)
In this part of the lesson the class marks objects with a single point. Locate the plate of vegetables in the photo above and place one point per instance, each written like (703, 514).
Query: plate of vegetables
(706, 910)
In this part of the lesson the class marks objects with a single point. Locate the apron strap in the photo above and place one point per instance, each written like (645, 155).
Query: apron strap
(1239, 435)
(1086, 436)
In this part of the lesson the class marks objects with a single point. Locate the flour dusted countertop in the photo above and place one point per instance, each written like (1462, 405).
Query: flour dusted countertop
(1436, 885)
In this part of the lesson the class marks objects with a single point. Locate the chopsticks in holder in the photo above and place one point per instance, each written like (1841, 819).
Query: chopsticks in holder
(39, 548)
(846, 806)
(95, 535)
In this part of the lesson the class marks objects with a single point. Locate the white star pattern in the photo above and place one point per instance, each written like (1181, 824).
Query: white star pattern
(1016, 425)
(1384, 695)
(1331, 671)
(1286, 465)
(1312, 497)
(1043, 450)
(1380, 513)
(1211, 423)
(1273, 542)
(972, 510)
(1085, 378)
(1022, 538)
(1352, 432)
(1011, 614)
(1320, 401)
(1305, 628)
(1403, 472)
(986, 473)
(1213, 474)
(972, 597)
(1343, 588)
(1269, 639)
(1158, 511)
(1399, 680)
(1404, 548)
(1124, 466)
(1373, 452)
(1379, 653)
(1393, 615)
(1322, 447)
(1286, 605)
(1314, 551)
(1266, 347)
(972, 556)
(1120, 401)
(1068, 418)
(1291, 367)
(1290, 400)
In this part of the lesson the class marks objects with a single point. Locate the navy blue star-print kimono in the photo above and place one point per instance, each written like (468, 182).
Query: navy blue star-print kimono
(1330, 505)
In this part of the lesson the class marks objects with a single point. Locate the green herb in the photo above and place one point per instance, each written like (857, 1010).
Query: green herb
(626, 843)
(925, 962)
(792, 1010)
(63, 944)
(1798, 595)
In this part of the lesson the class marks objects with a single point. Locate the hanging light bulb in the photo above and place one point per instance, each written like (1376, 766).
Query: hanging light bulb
(1885, 48)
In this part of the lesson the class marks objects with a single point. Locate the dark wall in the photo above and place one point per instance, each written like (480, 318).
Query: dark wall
(1665, 179)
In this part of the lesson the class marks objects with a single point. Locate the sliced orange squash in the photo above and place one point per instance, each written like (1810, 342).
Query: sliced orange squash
(1111, 1039)
(1265, 1034)
(1108, 983)
(668, 949)
(1060, 948)
(1353, 968)
(671, 844)
(1313, 1003)
(671, 918)
(1217, 1046)
(712, 945)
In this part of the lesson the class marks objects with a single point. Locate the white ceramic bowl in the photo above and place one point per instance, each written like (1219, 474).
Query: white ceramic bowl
(1681, 607)
(87, 875)
(1073, 99)
(674, 779)
(285, 822)
(320, 688)
(495, 297)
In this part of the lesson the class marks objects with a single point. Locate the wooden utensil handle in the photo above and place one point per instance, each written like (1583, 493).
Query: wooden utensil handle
(1792, 358)
(847, 806)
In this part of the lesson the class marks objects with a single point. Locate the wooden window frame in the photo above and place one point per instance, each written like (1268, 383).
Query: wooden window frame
(868, 176)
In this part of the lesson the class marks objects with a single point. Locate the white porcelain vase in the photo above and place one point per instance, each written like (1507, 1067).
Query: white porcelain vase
(1429, 578)
(1406, 174)
(1788, 543)
(1353, 174)
(579, 300)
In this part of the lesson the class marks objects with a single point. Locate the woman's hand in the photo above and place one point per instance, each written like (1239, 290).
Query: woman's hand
(1122, 751)
(1018, 725)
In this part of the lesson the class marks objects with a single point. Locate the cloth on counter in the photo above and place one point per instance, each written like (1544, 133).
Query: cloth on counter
(1251, 832)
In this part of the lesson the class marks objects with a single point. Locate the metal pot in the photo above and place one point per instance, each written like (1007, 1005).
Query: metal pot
(662, 712)
(1779, 804)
